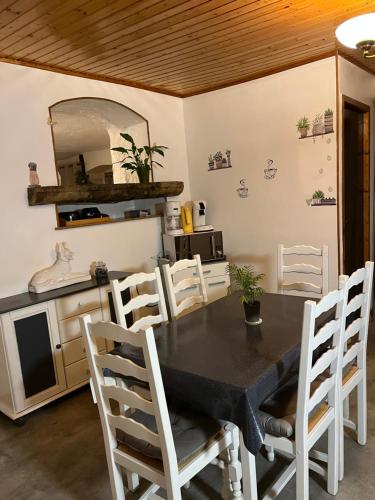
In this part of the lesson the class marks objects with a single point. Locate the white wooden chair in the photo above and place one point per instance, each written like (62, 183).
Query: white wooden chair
(354, 354)
(316, 407)
(139, 301)
(195, 284)
(304, 269)
(142, 441)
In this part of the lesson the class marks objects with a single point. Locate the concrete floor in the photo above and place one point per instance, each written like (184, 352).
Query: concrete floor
(59, 455)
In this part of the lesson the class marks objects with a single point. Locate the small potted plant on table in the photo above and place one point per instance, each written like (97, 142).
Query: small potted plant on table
(247, 281)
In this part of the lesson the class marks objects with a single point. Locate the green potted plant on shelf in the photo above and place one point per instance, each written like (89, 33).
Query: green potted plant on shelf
(328, 120)
(139, 160)
(303, 126)
(247, 281)
(317, 197)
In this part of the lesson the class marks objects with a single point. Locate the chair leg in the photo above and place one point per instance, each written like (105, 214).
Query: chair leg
(270, 453)
(302, 475)
(117, 484)
(362, 411)
(345, 405)
(173, 491)
(334, 455)
(341, 443)
(249, 473)
(133, 480)
(234, 466)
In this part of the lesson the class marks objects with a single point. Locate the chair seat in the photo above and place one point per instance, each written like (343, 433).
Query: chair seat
(191, 434)
(277, 413)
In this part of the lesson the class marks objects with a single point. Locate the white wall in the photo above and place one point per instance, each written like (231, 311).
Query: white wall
(358, 84)
(27, 233)
(257, 121)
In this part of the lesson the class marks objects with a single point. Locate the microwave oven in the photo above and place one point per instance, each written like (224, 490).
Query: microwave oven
(209, 245)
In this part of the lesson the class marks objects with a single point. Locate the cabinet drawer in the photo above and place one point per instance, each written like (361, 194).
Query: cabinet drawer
(77, 373)
(75, 350)
(209, 271)
(71, 329)
(217, 287)
(78, 303)
(214, 269)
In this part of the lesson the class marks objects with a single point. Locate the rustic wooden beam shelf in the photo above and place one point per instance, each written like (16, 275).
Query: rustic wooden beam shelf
(103, 193)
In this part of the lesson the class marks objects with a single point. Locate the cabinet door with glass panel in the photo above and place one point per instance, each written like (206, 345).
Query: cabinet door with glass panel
(34, 357)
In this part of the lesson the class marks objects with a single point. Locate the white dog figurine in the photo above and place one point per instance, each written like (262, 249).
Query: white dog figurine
(59, 274)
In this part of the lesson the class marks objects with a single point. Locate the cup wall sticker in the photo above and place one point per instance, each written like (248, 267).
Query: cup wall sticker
(242, 191)
(270, 171)
(220, 160)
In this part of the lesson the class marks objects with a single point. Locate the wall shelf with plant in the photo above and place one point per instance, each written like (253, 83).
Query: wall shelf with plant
(322, 124)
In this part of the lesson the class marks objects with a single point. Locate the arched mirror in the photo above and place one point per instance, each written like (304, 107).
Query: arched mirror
(84, 131)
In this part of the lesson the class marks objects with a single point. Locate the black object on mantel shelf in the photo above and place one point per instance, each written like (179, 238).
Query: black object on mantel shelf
(27, 299)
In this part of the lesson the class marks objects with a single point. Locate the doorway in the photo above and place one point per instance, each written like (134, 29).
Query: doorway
(356, 184)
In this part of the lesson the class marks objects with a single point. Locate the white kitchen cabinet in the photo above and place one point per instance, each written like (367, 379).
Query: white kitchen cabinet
(42, 355)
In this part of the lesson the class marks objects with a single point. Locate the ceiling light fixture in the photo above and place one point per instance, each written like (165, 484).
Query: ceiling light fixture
(359, 33)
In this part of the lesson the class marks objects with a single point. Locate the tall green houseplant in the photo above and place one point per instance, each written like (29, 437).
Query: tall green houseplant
(139, 159)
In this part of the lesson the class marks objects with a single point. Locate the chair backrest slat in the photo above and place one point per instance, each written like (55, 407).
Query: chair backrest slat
(128, 398)
(325, 333)
(302, 286)
(140, 300)
(298, 268)
(323, 363)
(121, 365)
(145, 322)
(355, 303)
(353, 328)
(303, 268)
(184, 285)
(135, 429)
(110, 331)
(321, 392)
(352, 353)
(302, 250)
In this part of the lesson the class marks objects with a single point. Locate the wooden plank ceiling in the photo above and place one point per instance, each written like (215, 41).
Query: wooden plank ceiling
(172, 46)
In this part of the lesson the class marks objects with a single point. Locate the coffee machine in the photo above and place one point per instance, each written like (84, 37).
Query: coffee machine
(172, 218)
(199, 217)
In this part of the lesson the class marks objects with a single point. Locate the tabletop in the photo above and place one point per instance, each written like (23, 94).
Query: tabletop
(214, 363)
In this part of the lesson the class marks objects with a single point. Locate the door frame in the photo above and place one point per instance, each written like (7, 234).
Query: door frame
(366, 165)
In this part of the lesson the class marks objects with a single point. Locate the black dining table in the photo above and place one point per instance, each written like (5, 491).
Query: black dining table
(215, 364)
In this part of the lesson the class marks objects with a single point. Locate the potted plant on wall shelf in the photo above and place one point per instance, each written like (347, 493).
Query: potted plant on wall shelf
(247, 281)
(139, 160)
(303, 126)
(317, 197)
(328, 120)
(318, 125)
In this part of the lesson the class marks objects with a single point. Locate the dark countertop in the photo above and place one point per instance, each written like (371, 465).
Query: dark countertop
(27, 299)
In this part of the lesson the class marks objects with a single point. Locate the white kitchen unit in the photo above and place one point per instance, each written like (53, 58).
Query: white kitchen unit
(42, 355)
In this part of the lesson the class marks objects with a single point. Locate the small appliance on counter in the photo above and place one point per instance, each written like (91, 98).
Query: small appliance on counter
(172, 218)
(209, 245)
(199, 217)
(186, 220)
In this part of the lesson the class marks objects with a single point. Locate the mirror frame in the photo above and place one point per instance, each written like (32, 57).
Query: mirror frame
(50, 122)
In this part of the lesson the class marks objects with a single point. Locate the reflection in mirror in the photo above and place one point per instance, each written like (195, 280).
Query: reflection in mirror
(84, 131)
